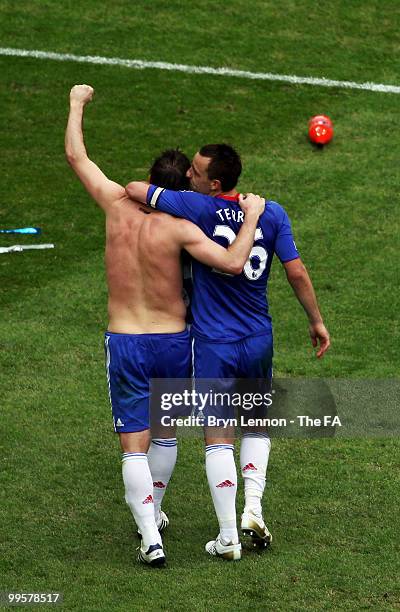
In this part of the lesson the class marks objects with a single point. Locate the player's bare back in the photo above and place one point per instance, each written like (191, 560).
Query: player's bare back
(143, 272)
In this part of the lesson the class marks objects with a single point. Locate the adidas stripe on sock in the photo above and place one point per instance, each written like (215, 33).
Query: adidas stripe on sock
(254, 455)
(162, 459)
(139, 495)
(222, 480)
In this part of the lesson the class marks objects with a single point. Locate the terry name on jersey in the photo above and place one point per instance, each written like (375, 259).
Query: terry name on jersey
(228, 214)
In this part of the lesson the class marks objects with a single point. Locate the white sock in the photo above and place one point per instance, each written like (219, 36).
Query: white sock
(139, 495)
(222, 479)
(254, 454)
(162, 458)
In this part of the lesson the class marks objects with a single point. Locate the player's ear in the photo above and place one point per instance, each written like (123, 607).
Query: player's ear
(216, 185)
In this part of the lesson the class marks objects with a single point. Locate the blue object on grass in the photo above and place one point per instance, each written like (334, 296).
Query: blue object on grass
(22, 230)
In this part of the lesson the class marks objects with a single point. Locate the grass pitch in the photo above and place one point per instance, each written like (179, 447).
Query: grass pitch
(331, 504)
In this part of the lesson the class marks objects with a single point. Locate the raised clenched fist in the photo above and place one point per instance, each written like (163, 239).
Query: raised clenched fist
(81, 93)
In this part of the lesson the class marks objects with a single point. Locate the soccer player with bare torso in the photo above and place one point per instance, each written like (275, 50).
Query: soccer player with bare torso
(146, 336)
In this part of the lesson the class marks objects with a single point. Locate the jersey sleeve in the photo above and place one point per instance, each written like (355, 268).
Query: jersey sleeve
(285, 246)
(185, 204)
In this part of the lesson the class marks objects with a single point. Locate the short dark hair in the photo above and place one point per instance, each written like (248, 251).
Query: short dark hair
(169, 170)
(225, 164)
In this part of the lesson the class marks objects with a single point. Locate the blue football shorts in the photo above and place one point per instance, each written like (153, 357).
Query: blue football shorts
(241, 367)
(131, 361)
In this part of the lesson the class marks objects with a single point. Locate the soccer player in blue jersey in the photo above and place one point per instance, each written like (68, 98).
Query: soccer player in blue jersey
(146, 336)
(232, 331)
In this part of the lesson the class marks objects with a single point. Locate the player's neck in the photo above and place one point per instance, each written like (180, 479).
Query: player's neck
(232, 193)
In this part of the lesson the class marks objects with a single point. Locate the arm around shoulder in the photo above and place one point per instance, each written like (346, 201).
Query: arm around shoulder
(232, 259)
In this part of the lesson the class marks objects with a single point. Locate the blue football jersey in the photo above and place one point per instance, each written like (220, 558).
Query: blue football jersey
(225, 307)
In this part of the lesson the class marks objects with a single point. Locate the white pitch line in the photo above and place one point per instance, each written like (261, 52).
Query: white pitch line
(228, 72)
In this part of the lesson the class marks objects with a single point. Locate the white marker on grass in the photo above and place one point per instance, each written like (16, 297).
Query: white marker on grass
(17, 248)
(227, 72)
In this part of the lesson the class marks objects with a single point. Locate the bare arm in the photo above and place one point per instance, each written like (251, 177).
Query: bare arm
(104, 191)
(232, 259)
(300, 281)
